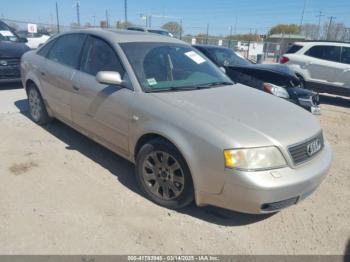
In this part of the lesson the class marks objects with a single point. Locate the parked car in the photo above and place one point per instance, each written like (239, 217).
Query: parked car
(12, 48)
(321, 66)
(150, 30)
(34, 39)
(275, 79)
(190, 131)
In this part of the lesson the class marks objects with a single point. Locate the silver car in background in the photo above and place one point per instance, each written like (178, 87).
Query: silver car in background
(191, 132)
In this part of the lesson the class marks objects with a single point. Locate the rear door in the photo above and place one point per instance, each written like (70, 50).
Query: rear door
(321, 63)
(101, 110)
(58, 72)
(342, 78)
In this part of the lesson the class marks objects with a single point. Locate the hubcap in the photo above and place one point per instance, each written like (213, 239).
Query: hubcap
(163, 175)
(34, 104)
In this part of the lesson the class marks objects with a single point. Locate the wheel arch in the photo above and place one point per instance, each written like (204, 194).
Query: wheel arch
(180, 145)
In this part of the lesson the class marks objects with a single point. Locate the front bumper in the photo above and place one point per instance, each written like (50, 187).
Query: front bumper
(10, 70)
(270, 191)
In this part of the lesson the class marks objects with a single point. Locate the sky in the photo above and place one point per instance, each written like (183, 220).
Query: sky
(242, 15)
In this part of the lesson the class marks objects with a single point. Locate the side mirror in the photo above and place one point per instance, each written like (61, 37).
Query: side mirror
(109, 78)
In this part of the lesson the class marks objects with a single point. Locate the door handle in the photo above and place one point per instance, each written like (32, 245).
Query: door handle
(76, 88)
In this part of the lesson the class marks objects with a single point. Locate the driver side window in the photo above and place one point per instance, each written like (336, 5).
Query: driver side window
(99, 56)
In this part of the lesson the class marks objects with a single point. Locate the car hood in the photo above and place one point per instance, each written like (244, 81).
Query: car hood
(250, 117)
(12, 49)
(276, 74)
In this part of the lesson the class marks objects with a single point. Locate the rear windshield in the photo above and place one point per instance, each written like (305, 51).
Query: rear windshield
(293, 49)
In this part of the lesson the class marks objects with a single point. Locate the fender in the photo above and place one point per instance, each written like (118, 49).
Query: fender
(183, 144)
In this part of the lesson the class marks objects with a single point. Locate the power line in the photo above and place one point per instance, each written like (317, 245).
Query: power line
(319, 23)
(302, 14)
(329, 26)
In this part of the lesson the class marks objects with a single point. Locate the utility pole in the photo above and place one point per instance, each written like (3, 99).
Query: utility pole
(319, 24)
(107, 18)
(57, 19)
(330, 26)
(206, 40)
(236, 25)
(229, 40)
(78, 12)
(94, 19)
(302, 13)
(126, 11)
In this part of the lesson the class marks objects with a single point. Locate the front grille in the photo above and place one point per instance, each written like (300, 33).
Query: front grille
(10, 70)
(299, 152)
(280, 204)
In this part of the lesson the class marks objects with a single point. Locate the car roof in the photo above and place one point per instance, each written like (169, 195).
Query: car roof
(211, 46)
(313, 43)
(125, 36)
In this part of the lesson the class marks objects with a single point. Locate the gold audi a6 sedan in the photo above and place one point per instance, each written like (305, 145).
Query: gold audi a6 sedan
(192, 133)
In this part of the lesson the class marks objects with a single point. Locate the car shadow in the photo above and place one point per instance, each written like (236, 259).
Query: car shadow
(125, 172)
(10, 86)
(335, 100)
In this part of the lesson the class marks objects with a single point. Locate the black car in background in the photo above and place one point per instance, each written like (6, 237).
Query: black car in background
(12, 47)
(275, 79)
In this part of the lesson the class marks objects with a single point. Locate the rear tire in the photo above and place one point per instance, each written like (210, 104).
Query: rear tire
(302, 82)
(163, 175)
(37, 108)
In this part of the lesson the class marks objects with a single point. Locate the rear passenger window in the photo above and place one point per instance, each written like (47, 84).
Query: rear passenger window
(67, 49)
(345, 55)
(330, 53)
(293, 49)
(99, 56)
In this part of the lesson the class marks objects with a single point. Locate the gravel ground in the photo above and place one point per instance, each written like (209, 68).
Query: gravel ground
(61, 193)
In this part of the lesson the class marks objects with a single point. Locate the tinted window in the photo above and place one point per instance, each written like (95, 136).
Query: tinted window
(226, 57)
(293, 49)
(330, 53)
(345, 55)
(99, 56)
(44, 51)
(67, 49)
(136, 29)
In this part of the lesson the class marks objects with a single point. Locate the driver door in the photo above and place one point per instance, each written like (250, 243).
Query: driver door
(101, 110)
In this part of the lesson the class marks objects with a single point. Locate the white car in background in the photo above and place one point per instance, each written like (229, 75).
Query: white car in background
(34, 40)
(321, 66)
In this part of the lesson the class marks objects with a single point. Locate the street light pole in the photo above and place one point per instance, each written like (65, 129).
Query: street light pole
(78, 12)
(58, 21)
(126, 11)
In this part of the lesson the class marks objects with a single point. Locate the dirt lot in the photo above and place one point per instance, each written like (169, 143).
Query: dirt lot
(61, 193)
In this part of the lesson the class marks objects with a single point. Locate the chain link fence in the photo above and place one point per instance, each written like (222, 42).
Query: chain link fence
(260, 51)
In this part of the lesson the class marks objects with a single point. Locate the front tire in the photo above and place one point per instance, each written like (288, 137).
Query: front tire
(163, 175)
(37, 108)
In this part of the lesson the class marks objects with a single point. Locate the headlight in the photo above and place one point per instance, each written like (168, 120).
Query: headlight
(276, 90)
(254, 158)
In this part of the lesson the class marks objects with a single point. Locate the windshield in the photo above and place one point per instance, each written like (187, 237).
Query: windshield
(6, 34)
(165, 66)
(227, 57)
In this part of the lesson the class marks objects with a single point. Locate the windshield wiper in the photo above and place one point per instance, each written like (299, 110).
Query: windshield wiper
(189, 88)
(172, 88)
(214, 84)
